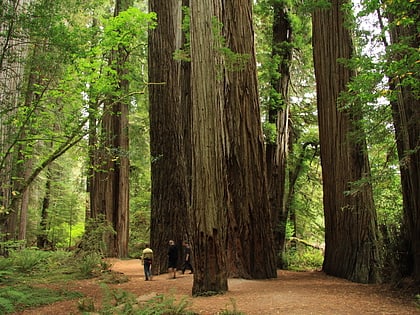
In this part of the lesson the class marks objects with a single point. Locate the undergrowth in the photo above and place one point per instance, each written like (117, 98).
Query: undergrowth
(24, 272)
(303, 259)
(20, 297)
(120, 302)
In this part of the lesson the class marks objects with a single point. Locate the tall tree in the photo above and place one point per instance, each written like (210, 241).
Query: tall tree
(12, 53)
(404, 77)
(250, 238)
(278, 115)
(169, 163)
(351, 238)
(209, 198)
(110, 189)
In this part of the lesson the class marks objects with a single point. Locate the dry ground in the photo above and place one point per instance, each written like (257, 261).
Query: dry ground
(291, 293)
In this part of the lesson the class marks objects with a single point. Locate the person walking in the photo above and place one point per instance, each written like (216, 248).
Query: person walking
(172, 259)
(147, 258)
(187, 258)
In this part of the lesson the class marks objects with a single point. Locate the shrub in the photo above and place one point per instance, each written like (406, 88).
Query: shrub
(166, 305)
(28, 260)
(6, 270)
(119, 302)
(305, 258)
(90, 264)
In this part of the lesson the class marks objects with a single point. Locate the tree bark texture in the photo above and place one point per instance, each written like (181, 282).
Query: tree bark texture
(406, 115)
(168, 132)
(250, 234)
(12, 51)
(208, 212)
(350, 218)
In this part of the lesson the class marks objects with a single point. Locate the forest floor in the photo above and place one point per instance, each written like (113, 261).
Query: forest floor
(290, 293)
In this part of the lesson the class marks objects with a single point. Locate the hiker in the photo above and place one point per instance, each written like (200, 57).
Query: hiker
(172, 259)
(187, 258)
(147, 258)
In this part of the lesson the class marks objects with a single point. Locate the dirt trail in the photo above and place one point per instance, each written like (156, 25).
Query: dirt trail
(291, 293)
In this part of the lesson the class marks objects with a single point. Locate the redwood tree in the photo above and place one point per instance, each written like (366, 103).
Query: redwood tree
(278, 114)
(403, 59)
(351, 238)
(168, 132)
(250, 238)
(110, 185)
(209, 198)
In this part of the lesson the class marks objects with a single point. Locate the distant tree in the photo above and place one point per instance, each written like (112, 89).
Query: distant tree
(123, 35)
(351, 236)
(278, 115)
(36, 49)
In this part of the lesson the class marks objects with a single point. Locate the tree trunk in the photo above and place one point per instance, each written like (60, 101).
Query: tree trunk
(208, 211)
(110, 186)
(406, 114)
(278, 114)
(250, 236)
(23, 170)
(168, 133)
(350, 219)
(42, 235)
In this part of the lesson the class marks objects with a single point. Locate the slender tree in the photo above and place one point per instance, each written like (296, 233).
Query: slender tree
(110, 189)
(351, 238)
(278, 115)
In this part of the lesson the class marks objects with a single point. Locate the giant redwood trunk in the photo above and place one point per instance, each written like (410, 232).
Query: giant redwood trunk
(350, 219)
(250, 238)
(169, 196)
(406, 114)
(208, 211)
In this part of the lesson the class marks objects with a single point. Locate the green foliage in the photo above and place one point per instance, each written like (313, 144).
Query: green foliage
(128, 29)
(27, 270)
(86, 304)
(28, 260)
(18, 298)
(119, 302)
(270, 132)
(166, 305)
(233, 61)
(301, 258)
(6, 270)
(184, 54)
(93, 239)
(90, 264)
